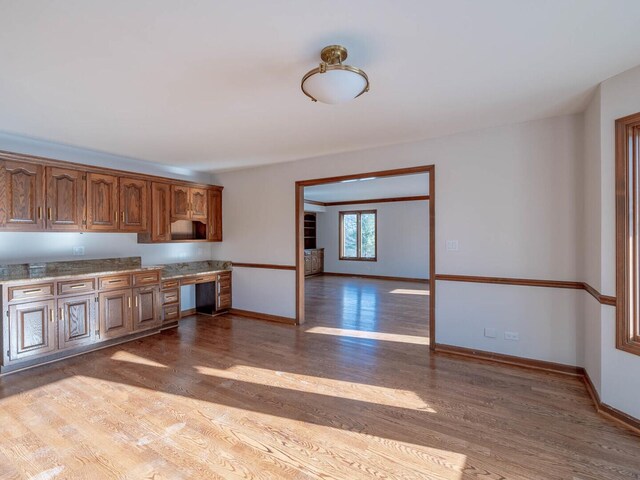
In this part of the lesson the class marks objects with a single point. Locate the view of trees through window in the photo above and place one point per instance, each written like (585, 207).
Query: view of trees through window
(358, 235)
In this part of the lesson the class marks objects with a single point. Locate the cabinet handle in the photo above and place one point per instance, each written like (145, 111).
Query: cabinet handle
(49, 213)
(39, 213)
(33, 290)
(129, 301)
(61, 313)
(122, 216)
(115, 216)
(79, 285)
(149, 278)
(51, 315)
(136, 298)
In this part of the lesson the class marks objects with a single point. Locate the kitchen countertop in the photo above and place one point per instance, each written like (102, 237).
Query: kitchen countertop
(51, 271)
(188, 269)
(48, 271)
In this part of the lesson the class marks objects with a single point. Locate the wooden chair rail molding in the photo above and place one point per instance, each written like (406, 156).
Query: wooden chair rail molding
(556, 368)
(268, 266)
(527, 282)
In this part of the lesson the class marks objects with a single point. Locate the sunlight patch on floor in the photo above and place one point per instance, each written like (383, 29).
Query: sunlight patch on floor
(388, 337)
(321, 386)
(410, 291)
(124, 356)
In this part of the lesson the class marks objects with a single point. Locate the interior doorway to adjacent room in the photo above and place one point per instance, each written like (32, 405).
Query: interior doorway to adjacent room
(365, 255)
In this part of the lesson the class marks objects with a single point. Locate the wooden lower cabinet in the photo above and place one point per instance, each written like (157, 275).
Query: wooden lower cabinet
(313, 261)
(32, 329)
(224, 291)
(146, 312)
(77, 321)
(115, 313)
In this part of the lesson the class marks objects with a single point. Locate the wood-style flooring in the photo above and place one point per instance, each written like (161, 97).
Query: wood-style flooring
(353, 394)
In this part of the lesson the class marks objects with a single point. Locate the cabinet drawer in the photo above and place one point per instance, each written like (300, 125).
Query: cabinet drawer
(114, 281)
(170, 312)
(222, 290)
(200, 279)
(168, 284)
(30, 291)
(76, 286)
(146, 278)
(170, 296)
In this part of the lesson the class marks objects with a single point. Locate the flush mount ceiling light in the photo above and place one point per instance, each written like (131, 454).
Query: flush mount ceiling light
(332, 82)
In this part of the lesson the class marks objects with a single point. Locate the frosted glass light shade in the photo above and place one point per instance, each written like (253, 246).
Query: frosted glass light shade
(337, 85)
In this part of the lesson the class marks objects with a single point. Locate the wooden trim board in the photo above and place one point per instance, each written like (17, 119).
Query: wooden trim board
(371, 200)
(269, 266)
(377, 277)
(262, 316)
(527, 282)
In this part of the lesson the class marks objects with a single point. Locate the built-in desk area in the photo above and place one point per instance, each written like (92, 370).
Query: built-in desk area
(212, 280)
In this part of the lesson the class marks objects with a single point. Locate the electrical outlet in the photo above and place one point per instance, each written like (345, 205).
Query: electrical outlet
(490, 332)
(78, 251)
(453, 245)
(511, 336)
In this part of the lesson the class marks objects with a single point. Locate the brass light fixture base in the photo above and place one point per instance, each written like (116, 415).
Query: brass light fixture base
(333, 54)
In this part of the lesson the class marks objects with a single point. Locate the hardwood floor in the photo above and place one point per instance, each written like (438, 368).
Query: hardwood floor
(352, 394)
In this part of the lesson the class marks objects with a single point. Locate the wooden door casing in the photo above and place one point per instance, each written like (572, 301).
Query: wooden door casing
(180, 203)
(76, 321)
(146, 311)
(115, 313)
(134, 206)
(32, 329)
(198, 200)
(161, 212)
(21, 196)
(102, 202)
(65, 203)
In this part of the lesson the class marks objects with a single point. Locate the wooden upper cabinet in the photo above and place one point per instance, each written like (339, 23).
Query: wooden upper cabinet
(102, 202)
(214, 227)
(21, 195)
(134, 205)
(199, 200)
(160, 212)
(180, 199)
(65, 205)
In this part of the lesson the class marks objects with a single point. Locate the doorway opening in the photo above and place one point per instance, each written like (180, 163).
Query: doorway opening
(365, 251)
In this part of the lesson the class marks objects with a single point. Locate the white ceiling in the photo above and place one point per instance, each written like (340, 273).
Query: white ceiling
(215, 85)
(384, 187)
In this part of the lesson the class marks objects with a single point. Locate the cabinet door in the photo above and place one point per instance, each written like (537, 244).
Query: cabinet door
(307, 264)
(133, 205)
(32, 329)
(180, 203)
(214, 232)
(102, 202)
(160, 212)
(65, 199)
(76, 321)
(115, 313)
(21, 196)
(199, 200)
(146, 313)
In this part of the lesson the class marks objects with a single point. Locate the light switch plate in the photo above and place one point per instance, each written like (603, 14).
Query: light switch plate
(78, 251)
(490, 332)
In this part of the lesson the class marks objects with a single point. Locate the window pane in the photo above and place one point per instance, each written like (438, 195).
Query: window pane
(350, 232)
(368, 235)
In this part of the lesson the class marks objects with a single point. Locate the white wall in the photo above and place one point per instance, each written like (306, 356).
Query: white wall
(619, 97)
(510, 195)
(403, 240)
(19, 247)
